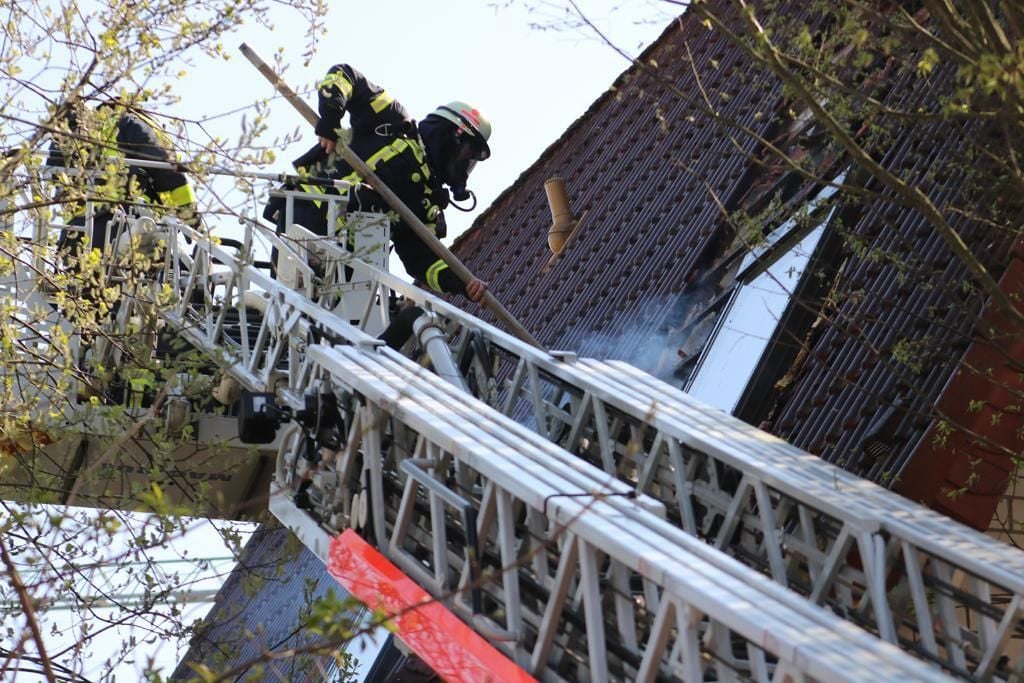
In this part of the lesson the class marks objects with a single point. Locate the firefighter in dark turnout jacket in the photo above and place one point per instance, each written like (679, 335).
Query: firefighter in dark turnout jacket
(415, 161)
(113, 129)
(120, 130)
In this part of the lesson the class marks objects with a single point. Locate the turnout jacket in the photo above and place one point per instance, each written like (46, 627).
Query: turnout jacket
(132, 135)
(386, 138)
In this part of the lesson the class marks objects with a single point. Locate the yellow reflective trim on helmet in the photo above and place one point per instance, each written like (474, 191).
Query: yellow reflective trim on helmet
(339, 80)
(381, 102)
(179, 196)
(433, 272)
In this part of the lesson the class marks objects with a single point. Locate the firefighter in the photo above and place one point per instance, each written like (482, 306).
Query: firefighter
(93, 139)
(118, 129)
(421, 163)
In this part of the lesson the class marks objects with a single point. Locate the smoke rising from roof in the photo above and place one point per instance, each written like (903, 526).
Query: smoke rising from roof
(648, 339)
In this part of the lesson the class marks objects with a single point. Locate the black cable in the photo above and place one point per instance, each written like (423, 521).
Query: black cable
(471, 206)
(631, 495)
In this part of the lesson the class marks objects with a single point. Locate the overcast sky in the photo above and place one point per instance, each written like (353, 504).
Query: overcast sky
(532, 82)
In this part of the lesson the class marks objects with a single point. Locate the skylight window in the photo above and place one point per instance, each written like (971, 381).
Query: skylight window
(763, 290)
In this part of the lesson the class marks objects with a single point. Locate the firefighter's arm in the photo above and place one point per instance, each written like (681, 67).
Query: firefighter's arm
(421, 263)
(440, 278)
(417, 258)
(137, 139)
(333, 94)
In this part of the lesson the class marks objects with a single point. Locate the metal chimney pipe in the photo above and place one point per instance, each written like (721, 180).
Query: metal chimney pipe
(563, 221)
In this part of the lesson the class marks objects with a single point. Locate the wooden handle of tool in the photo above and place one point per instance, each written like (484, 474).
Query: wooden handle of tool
(410, 219)
(279, 85)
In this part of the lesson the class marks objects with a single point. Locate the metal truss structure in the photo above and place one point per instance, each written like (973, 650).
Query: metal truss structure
(589, 521)
(940, 590)
(563, 568)
(567, 571)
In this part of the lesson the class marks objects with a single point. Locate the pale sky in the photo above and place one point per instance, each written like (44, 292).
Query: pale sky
(531, 83)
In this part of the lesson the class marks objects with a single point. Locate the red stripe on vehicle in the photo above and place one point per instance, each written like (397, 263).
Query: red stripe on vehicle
(450, 647)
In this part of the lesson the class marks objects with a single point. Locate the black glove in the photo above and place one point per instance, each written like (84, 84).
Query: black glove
(309, 160)
(274, 206)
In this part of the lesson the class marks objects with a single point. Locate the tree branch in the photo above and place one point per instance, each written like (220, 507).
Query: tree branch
(29, 609)
(769, 56)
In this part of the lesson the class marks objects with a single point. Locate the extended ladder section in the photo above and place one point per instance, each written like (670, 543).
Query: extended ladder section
(559, 566)
(939, 589)
(583, 519)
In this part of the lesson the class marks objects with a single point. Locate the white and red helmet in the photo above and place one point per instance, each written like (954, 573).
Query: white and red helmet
(470, 122)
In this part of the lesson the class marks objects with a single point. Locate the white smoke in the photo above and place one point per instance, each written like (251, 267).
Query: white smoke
(649, 339)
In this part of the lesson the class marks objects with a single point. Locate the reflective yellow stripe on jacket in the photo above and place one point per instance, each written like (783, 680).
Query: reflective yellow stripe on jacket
(340, 81)
(381, 102)
(433, 273)
(179, 196)
(383, 154)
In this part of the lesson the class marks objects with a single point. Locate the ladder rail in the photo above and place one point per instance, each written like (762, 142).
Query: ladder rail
(787, 496)
(684, 571)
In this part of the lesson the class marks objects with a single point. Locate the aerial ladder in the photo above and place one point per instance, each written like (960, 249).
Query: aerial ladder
(526, 514)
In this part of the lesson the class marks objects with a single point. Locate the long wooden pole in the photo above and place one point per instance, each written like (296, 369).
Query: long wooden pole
(391, 198)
